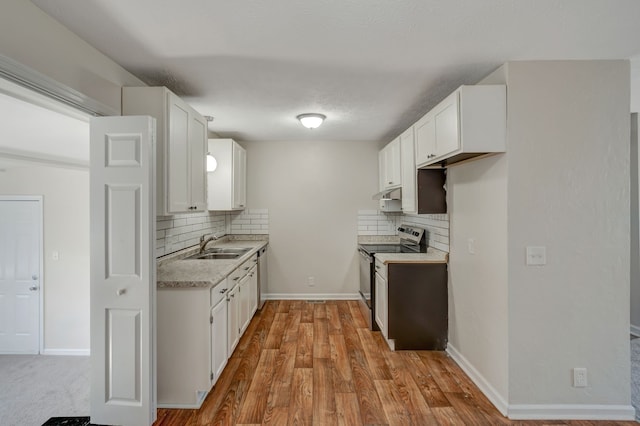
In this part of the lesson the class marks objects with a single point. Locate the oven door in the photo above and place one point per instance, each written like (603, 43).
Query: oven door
(366, 304)
(365, 277)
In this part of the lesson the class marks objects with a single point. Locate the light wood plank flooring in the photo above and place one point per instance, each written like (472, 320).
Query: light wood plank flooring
(303, 363)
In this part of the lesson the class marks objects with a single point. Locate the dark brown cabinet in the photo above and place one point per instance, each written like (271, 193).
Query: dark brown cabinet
(417, 316)
(432, 197)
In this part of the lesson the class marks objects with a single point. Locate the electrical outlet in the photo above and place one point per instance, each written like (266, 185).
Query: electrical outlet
(55, 255)
(311, 281)
(579, 377)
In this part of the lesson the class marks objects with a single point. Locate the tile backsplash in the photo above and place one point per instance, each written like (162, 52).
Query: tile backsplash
(377, 223)
(176, 232)
(249, 221)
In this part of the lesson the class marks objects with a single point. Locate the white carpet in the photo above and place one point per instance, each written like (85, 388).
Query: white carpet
(635, 375)
(34, 388)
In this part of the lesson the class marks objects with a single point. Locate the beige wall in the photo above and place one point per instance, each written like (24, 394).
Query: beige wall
(313, 191)
(568, 190)
(33, 38)
(66, 230)
(563, 184)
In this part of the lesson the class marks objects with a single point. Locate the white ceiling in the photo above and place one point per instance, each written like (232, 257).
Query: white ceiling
(373, 67)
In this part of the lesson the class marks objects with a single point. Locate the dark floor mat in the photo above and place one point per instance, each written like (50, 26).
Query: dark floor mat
(68, 421)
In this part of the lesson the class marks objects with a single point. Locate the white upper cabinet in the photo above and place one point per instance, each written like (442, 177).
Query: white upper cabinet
(227, 184)
(389, 166)
(408, 169)
(181, 141)
(469, 122)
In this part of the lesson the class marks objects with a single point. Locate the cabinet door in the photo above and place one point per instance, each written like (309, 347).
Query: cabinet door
(219, 342)
(239, 177)
(389, 165)
(177, 155)
(408, 166)
(198, 153)
(245, 302)
(425, 139)
(381, 304)
(233, 331)
(447, 126)
(253, 291)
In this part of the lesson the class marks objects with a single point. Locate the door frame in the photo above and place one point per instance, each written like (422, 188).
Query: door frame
(40, 200)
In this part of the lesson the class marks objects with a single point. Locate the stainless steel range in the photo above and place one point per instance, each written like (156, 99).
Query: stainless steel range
(412, 240)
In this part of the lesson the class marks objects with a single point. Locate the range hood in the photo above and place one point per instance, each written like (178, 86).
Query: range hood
(389, 194)
(389, 200)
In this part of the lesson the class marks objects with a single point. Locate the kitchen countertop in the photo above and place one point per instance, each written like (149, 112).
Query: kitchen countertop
(431, 256)
(176, 272)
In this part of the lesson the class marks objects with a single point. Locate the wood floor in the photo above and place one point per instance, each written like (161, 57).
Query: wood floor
(302, 363)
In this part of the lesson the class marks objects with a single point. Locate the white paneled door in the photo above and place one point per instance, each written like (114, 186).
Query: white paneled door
(123, 293)
(20, 250)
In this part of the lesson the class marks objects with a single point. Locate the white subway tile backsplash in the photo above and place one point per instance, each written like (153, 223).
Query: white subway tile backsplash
(183, 230)
(373, 222)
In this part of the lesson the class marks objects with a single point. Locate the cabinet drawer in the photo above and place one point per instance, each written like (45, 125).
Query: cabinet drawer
(242, 270)
(381, 269)
(219, 292)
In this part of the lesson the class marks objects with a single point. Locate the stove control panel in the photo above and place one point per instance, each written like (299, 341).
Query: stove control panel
(411, 233)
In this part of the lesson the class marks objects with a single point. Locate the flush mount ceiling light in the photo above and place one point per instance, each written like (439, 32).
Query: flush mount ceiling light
(311, 121)
(212, 164)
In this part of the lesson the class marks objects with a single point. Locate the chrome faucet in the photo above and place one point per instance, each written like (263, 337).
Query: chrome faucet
(203, 242)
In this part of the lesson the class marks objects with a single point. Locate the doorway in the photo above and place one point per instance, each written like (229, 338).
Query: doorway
(44, 149)
(20, 275)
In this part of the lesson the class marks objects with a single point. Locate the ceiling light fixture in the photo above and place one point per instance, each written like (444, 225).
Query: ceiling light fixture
(212, 164)
(208, 118)
(311, 121)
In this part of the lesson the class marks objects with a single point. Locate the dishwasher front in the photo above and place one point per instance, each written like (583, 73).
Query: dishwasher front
(262, 276)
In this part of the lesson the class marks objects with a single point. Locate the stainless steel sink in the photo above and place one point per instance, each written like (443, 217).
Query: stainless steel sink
(230, 250)
(219, 253)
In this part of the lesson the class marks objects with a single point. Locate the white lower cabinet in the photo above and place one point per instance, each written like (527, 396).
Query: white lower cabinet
(219, 327)
(382, 305)
(198, 330)
(233, 329)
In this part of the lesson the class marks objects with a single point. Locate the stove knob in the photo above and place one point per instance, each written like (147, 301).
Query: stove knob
(416, 234)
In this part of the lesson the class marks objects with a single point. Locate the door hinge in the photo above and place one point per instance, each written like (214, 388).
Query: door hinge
(212, 375)
(211, 319)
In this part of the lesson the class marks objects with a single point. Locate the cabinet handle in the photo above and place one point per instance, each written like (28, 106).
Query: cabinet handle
(236, 278)
(223, 291)
(247, 268)
(233, 295)
(390, 183)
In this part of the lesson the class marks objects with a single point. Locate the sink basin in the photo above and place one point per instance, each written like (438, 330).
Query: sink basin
(213, 256)
(225, 250)
(219, 253)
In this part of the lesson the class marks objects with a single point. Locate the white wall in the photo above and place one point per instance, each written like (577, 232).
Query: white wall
(33, 38)
(478, 287)
(313, 191)
(635, 227)
(66, 230)
(568, 190)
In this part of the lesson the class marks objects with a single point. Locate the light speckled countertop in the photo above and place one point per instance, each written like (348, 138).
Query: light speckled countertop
(431, 256)
(176, 272)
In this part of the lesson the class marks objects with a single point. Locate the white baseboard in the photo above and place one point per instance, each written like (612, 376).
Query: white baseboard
(180, 406)
(571, 412)
(317, 296)
(485, 387)
(635, 330)
(72, 352)
(541, 411)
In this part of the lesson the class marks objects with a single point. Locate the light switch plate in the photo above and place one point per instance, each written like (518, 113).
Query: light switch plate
(536, 256)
